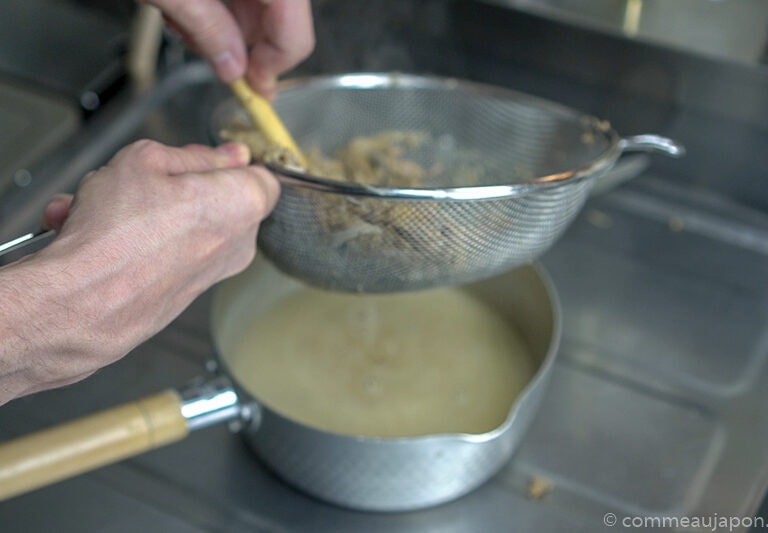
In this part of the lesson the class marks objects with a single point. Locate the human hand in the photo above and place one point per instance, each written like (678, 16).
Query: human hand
(142, 238)
(258, 39)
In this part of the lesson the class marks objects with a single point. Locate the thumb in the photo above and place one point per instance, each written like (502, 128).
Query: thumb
(57, 211)
(213, 31)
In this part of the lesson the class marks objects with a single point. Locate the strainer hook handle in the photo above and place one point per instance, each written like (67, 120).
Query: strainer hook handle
(652, 143)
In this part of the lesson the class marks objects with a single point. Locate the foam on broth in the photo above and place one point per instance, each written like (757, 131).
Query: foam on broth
(411, 364)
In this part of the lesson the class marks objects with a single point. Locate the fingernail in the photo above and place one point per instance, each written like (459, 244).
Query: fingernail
(226, 67)
(60, 199)
(269, 89)
(58, 203)
(235, 152)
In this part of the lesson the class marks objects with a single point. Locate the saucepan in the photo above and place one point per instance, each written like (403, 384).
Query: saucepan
(356, 471)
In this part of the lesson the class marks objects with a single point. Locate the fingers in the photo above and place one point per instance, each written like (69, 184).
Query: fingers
(149, 181)
(279, 32)
(56, 211)
(281, 36)
(213, 31)
(224, 172)
(255, 188)
(230, 206)
(266, 186)
(192, 158)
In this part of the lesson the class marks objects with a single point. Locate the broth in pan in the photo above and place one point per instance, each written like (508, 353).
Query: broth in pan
(410, 364)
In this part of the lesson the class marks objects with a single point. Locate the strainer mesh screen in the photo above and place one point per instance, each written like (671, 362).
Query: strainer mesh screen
(477, 136)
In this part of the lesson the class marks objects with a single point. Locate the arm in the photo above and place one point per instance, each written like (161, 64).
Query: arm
(143, 237)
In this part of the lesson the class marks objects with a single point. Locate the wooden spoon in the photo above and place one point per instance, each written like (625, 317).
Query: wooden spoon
(265, 118)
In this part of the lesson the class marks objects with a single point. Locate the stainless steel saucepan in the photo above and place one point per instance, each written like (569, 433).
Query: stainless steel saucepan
(381, 474)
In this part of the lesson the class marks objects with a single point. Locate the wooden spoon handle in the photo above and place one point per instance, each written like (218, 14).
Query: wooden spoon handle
(264, 117)
(72, 448)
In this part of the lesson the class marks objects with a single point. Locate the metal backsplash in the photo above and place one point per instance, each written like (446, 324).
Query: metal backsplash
(733, 30)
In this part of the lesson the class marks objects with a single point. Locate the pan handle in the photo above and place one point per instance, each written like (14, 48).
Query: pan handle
(652, 143)
(24, 240)
(72, 448)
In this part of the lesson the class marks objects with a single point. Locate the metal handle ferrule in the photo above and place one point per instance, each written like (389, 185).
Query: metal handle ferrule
(210, 402)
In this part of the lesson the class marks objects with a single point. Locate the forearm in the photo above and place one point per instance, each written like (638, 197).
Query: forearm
(37, 301)
(68, 311)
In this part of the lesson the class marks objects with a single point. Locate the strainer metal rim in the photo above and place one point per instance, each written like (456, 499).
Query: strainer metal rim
(483, 192)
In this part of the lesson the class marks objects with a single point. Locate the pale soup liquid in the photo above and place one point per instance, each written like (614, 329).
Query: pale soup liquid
(401, 365)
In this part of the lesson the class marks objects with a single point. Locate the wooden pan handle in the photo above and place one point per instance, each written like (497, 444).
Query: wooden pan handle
(72, 448)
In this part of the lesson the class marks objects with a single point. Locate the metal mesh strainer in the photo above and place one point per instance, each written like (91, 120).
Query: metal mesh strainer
(515, 172)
